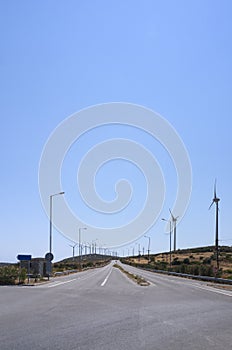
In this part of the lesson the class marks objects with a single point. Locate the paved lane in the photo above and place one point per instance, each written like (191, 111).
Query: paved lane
(103, 309)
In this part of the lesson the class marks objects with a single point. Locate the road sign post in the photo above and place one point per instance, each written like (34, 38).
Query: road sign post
(49, 257)
(23, 257)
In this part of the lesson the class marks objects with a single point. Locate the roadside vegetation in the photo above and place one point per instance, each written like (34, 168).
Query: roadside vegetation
(197, 261)
(71, 264)
(11, 275)
(138, 279)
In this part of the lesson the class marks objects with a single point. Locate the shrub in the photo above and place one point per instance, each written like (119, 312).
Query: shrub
(22, 275)
(207, 261)
(208, 271)
(8, 275)
(195, 270)
(183, 268)
(176, 262)
(228, 257)
(186, 261)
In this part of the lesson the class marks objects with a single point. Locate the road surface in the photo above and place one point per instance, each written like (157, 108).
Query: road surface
(102, 309)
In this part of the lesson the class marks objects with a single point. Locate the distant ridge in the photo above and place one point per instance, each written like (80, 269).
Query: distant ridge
(5, 264)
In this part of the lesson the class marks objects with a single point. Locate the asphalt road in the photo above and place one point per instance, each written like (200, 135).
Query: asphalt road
(102, 309)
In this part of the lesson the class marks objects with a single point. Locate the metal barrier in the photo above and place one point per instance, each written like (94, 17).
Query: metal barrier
(185, 275)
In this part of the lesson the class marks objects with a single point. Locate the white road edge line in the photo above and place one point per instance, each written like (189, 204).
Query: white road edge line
(106, 279)
(59, 283)
(213, 290)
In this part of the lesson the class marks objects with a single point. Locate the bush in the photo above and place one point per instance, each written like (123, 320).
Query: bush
(22, 275)
(207, 261)
(8, 275)
(176, 262)
(186, 261)
(195, 270)
(228, 257)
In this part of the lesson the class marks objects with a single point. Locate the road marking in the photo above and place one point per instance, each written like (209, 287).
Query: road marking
(213, 290)
(60, 283)
(79, 278)
(151, 283)
(141, 273)
(106, 279)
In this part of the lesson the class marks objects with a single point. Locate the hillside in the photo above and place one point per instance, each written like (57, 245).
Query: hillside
(77, 263)
(196, 261)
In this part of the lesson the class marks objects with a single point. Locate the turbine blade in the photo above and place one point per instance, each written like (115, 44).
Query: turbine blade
(215, 188)
(171, 214)
(211, 205)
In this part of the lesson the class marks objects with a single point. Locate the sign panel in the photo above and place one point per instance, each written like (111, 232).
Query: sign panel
(22, 257)
(48, 267)
(49, 256)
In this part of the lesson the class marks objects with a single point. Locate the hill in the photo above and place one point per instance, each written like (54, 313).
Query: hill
(78, 263)
(196, 261)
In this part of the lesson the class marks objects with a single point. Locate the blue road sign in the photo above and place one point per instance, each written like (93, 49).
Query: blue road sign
(49, 256)
(24, 257)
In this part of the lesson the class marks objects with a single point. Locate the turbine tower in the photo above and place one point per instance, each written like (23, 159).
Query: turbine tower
(216, 201)
(174, 220)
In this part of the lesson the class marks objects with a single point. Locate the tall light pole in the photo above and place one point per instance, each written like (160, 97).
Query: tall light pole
(81, 228)
(148, 249)
(170, 232)
(50, 231)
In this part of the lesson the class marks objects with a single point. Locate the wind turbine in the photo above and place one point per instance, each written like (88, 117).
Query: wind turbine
(216, 201)
(73, 248)
(174, 220)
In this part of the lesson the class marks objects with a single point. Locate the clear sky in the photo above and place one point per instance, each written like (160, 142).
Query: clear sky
(58, 57)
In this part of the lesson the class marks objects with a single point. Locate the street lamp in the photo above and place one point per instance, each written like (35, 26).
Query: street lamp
(50, 231)
(148, 249)
(170, 232)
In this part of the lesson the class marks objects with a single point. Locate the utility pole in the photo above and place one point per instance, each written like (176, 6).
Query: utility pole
(148, 249)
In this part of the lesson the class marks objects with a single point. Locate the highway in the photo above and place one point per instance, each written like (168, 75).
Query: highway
(101, 309)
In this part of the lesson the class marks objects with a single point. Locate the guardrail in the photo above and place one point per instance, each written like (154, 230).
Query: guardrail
(63, 273)
(185, 275)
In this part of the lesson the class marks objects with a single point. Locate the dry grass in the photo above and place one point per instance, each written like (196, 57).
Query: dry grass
(225, 259)
(138, 279)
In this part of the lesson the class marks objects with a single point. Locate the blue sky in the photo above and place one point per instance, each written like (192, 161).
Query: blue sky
(57, 57)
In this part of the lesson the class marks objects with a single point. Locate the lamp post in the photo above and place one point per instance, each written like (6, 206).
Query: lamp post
(170, 232)
(50, 231)
(148, 249)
